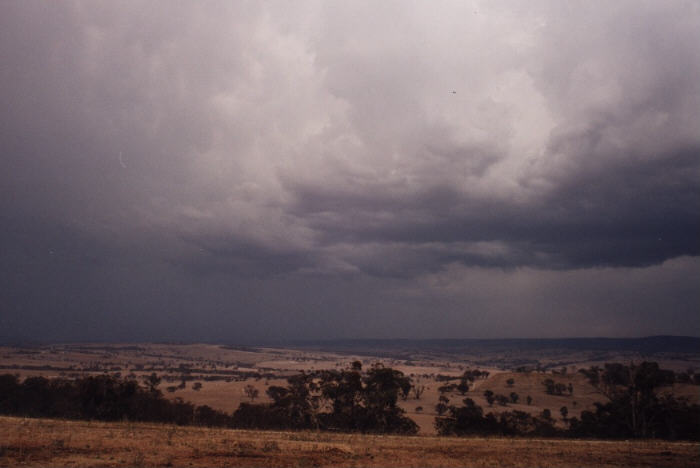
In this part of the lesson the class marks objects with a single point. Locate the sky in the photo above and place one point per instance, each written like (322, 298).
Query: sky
(250, 171)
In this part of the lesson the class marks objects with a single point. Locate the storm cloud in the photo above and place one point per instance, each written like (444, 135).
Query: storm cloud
(230, 171)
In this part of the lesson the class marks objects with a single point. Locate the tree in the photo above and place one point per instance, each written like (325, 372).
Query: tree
(553, 388)
(197, 386)
(549, 386)
(501, 399)
(529, 400)
(152, 382)
(510, 382)
(99, 397)
(442, 407)
(381, 388)
(251, 392)
(447, 388)
(488, 394)
(514, 397)
(634, 408)
(463, 387)
(468, 419)
(366, 403)
(564, 412)
(417, 391)
(343, 390)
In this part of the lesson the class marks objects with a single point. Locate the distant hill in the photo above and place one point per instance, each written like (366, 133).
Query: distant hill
(645, 345)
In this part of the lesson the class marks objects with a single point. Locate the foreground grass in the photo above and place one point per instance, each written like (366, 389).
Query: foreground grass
(45, 442)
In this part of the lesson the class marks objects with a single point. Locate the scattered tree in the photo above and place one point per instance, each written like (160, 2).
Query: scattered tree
(554, 388)
(470, 419)
(488, 394)
(251, 392)
(501, 399)
(463, 387)
(441, 407)
(447, 388)
(418, 391)
(564, 412)
(152, 382)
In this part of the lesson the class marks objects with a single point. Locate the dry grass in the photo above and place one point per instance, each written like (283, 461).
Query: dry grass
(226, 396)
(222, 395)
(32, 442)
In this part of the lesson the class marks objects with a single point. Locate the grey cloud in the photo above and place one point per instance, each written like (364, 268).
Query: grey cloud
(177, 149)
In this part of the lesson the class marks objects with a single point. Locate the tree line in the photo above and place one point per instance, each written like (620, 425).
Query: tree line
(102, 398)
(638, 405)
(349, 400)
(356, 400)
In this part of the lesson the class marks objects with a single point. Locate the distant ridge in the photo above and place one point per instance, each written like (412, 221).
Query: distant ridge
(648, 344)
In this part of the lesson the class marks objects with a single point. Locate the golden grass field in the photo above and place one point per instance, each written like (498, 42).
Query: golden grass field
(44, 442)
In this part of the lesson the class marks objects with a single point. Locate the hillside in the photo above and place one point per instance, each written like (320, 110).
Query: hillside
(77, 443)
(224, 371)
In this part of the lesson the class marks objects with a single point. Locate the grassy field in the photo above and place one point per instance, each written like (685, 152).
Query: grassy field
(200, 361)
(43, 442)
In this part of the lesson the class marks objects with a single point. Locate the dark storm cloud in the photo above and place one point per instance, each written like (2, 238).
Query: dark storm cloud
(279, 168)
(625, 213)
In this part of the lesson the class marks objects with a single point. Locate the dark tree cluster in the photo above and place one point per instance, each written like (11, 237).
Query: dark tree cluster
(447, 388)
(347, 400)
(103, 398)
(469, 376)
(637, 406)
(474, 374)
(640, 405)
(557, 388)
(469, 419)
(502, 400)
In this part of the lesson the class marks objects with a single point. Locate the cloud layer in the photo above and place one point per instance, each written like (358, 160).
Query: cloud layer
(307, 159)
